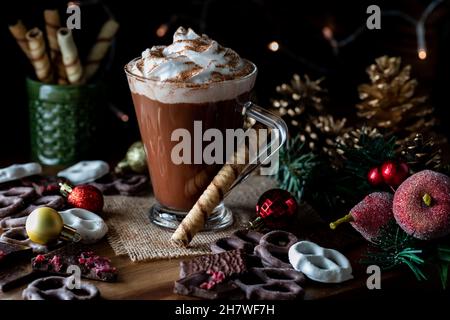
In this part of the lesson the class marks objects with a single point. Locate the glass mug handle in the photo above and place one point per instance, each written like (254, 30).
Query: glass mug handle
(278, 128)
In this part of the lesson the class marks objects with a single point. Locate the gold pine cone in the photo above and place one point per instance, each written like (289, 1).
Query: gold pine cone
(319, 134)
(422, 153)
(390, 100)
(352, 138)
(299, 100)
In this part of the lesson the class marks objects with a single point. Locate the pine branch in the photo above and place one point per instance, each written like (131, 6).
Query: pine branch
(394, 248)
(443, 254)
(443, 274)
(372, 151)
(295, 167)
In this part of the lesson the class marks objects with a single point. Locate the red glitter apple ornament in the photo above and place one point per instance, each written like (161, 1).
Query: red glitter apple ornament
(369, 215)
(394, 173)
(83, 196)
(274, 209)
(422, 205)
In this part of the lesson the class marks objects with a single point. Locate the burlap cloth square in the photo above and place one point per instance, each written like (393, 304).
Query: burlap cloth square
(131, 233)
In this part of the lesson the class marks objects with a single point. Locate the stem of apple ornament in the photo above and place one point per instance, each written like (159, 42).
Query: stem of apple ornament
(344, 219)
(427, 199)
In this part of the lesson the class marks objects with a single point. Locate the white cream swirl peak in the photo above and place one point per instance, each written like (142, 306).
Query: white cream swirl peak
(195, 64)
(191, 58)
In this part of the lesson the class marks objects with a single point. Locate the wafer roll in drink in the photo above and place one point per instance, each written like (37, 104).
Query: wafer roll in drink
(69, 54)
(19, 32)
(199, 182)
(213, 195)
(100, 48)
(38, 55)
(52, 24)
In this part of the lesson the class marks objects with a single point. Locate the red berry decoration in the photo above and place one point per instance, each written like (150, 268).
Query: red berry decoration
(274, 209)
(84, 196)
(374, 177)
(422, 205)
(370, 215)
(394, 173)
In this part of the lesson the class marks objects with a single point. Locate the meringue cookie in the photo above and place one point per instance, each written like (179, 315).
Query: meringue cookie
(18, 171)
(85, 171)
(320, 264)
(90, 226)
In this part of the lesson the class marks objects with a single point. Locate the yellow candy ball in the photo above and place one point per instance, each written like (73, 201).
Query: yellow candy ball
(44, 225)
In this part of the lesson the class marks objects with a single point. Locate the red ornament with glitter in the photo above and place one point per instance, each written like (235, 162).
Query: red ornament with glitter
(84, 196)
(274, 209)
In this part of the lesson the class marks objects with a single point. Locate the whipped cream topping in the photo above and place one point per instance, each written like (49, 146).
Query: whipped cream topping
(191, 59)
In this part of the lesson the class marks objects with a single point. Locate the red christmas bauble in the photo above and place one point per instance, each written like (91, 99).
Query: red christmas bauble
(84, 196)
(394, 173)
(274, 208)
(375, 177)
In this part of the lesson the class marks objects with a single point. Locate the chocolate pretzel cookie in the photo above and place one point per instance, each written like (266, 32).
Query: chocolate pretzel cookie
(266, 274)
(19, 236)
(127, 185)
(44, 185)
(273, 249)
(18, 219)
(14, 199)
(59, 288)
(271, 284)
(245, 240)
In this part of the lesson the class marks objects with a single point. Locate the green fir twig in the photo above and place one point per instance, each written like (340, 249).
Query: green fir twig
(443, 254)
(393, 248)
(295, 167)
(338, 188)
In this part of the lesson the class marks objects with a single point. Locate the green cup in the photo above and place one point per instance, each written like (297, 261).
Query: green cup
(62, 121)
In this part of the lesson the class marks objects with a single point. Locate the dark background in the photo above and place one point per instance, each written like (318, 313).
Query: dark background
(246, 26)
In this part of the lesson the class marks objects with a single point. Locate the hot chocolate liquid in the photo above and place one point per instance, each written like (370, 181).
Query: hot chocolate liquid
(178, 186)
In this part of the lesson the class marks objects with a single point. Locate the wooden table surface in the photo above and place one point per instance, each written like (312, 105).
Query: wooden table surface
(154, 280)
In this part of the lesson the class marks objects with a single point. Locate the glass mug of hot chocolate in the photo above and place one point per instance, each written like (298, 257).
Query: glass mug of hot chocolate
(192, 85)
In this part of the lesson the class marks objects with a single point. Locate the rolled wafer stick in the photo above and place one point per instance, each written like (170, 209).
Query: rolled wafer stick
(38, 55)
(70, 57)
(199, 182)
(212, 196)
(100, 48)
(52, 25)
(19, 32)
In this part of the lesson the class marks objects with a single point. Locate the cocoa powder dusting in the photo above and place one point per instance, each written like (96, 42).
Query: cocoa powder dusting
(197, 45)
(227, 64)
(187, 74)
(157, 53)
